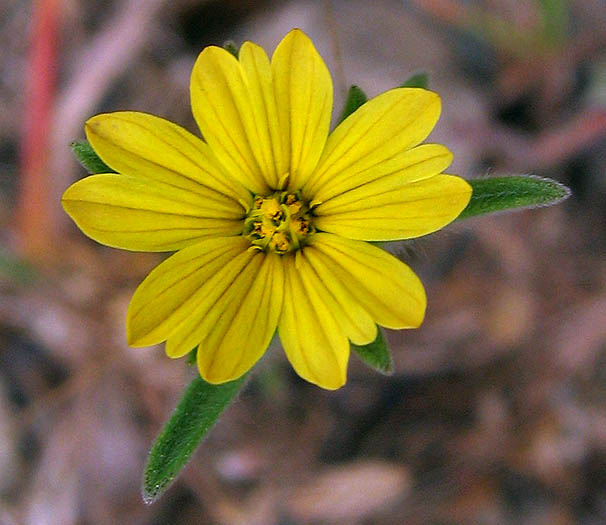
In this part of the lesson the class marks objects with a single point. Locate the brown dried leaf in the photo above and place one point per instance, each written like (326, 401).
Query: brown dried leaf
(348, 492)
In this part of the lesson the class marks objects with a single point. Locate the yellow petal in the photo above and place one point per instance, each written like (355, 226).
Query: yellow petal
(265, 136)
(304, 99)
(412, 210)
(225, 290)
(222, 107)
(411, 166)
(149, 147)
(134, 214)
(385, 126)
(385, 287)
(245, 325)
(355, 322)
(314, 343)
(176, 288)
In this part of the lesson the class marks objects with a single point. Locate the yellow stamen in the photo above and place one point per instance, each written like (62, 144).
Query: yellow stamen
(280, 242)
(271, 208)
(279, 222)
(302, 226)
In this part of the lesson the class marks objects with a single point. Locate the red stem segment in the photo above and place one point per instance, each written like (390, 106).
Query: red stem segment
(33, 220)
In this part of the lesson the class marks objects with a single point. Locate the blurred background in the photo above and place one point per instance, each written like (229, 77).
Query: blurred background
(497, 410)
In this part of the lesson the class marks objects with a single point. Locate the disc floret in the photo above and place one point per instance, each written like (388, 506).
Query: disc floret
(280, 222)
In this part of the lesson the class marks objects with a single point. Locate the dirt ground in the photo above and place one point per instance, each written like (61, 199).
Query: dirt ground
(496, 412)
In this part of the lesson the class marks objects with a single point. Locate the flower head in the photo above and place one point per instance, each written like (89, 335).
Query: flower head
(269, 214)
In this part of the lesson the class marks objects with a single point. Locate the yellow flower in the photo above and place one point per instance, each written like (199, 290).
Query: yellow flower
(269, 213)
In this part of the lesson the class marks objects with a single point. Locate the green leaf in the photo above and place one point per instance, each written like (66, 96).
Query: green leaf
(192, 357)
(376, 354)
(418, 80)
(495, 194)
(196, 413)
(86, 155)
(355, 98)
(231, 46)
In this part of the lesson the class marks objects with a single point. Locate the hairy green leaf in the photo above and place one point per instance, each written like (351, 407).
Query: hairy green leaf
(231, 46)
(376, 354)
(86, 155)
(355, 98)
(493, 194)
(418, 80)
(196, 413)
(192, 357)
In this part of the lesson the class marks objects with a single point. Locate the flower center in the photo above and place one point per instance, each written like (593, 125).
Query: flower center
(280, 222)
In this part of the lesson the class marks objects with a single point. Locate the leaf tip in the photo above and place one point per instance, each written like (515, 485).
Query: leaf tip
(152, 490)
(376, 354)
(231, 47)
(560, 193)
(355, 99)
(388, 370)
(418, 80)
